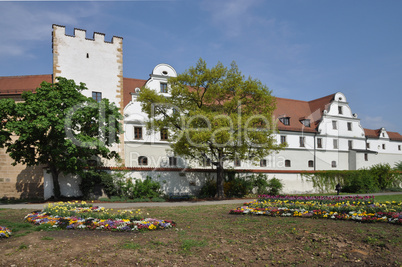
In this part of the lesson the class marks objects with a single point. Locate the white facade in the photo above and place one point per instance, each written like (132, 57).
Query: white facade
(95, 62)
(338, 143)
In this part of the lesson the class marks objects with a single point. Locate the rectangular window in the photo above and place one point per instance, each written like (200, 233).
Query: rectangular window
(335, 143)
(172, 161)
(302, 139)
(340, 111)
(285, 120)
(164, 135)
(306, 122)
(206, 162)
(333, 164)
(319, 142)
(237, 163)
(263, 163)
(287, 163)
(367, 145)
(137, 133)
(311, 163)
(164, 88)
(383, 146)
(399, 147)
(97, 96)
(350, 144)
(283, 139)
(365, 156)
(349, 126)
(334, 125)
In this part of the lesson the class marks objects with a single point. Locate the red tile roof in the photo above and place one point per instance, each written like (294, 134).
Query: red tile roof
(129, 86)
(372, 133)
(394, 136)
(15, 85)
(376, 134)
(298, 110)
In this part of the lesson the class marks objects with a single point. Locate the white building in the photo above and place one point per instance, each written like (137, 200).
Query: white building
(321, 134)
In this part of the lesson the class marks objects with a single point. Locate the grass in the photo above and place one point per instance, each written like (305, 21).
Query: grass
(134, 246)
(383, 198)
(47, 238)
(208, 236)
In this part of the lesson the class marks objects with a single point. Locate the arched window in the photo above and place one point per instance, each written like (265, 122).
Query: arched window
(311, 163)
(142, 161)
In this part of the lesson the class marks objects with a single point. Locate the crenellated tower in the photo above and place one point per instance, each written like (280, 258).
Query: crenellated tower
(95, 62)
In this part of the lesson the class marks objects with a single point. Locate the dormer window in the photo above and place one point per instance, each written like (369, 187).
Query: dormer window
(285, 120)
(340, 111)
(306, 122)
(164, 88)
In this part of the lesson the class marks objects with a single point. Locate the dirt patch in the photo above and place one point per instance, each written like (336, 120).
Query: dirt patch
(209, 236)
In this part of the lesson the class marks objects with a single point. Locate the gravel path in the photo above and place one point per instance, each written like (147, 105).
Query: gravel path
(162, 204)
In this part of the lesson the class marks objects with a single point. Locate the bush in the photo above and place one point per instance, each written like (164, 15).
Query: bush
(236, 186)
(93, 181)
(208, 189)
(275, 186)
(371, 180)
(139, 189)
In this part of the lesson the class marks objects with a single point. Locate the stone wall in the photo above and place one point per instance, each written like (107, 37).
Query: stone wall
(19, 181)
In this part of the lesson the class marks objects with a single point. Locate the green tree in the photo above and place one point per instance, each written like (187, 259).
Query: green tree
(59, 127)
(214, 114)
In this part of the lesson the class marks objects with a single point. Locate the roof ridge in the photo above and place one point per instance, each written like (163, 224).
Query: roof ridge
(21, 76)
(135, 79)
(321, 98)
(291, 99)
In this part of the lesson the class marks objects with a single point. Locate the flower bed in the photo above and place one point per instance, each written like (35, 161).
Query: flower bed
(4, 232)
(357, 210)
(72, 216)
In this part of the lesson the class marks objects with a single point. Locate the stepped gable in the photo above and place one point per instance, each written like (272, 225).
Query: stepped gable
(298, 110)
(16, 85)
(129, 85)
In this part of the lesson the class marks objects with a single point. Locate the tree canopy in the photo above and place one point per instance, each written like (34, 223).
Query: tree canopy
(214, 114)
(59, 127)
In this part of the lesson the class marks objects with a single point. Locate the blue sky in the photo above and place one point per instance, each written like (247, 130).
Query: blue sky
(300, 49)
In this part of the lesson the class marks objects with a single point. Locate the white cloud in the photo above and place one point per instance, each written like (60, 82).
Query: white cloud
(232, 17)
(376, 122)
(24, 24)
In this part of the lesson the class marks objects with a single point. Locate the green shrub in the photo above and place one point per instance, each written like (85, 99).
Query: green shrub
(371, 180)
(208, 189)
(139, 189)
(260, 182)
(238, 187)
(146, 188)
(93, 181)
(235, 186)
(275, 186)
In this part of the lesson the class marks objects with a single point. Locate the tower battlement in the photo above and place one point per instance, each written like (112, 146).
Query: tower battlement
(81, 34)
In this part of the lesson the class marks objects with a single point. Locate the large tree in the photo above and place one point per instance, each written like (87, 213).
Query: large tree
(59, 127)
(214, 114)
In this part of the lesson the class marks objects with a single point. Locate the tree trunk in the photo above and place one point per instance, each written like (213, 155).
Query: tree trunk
(56, 185)
(220, 178)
